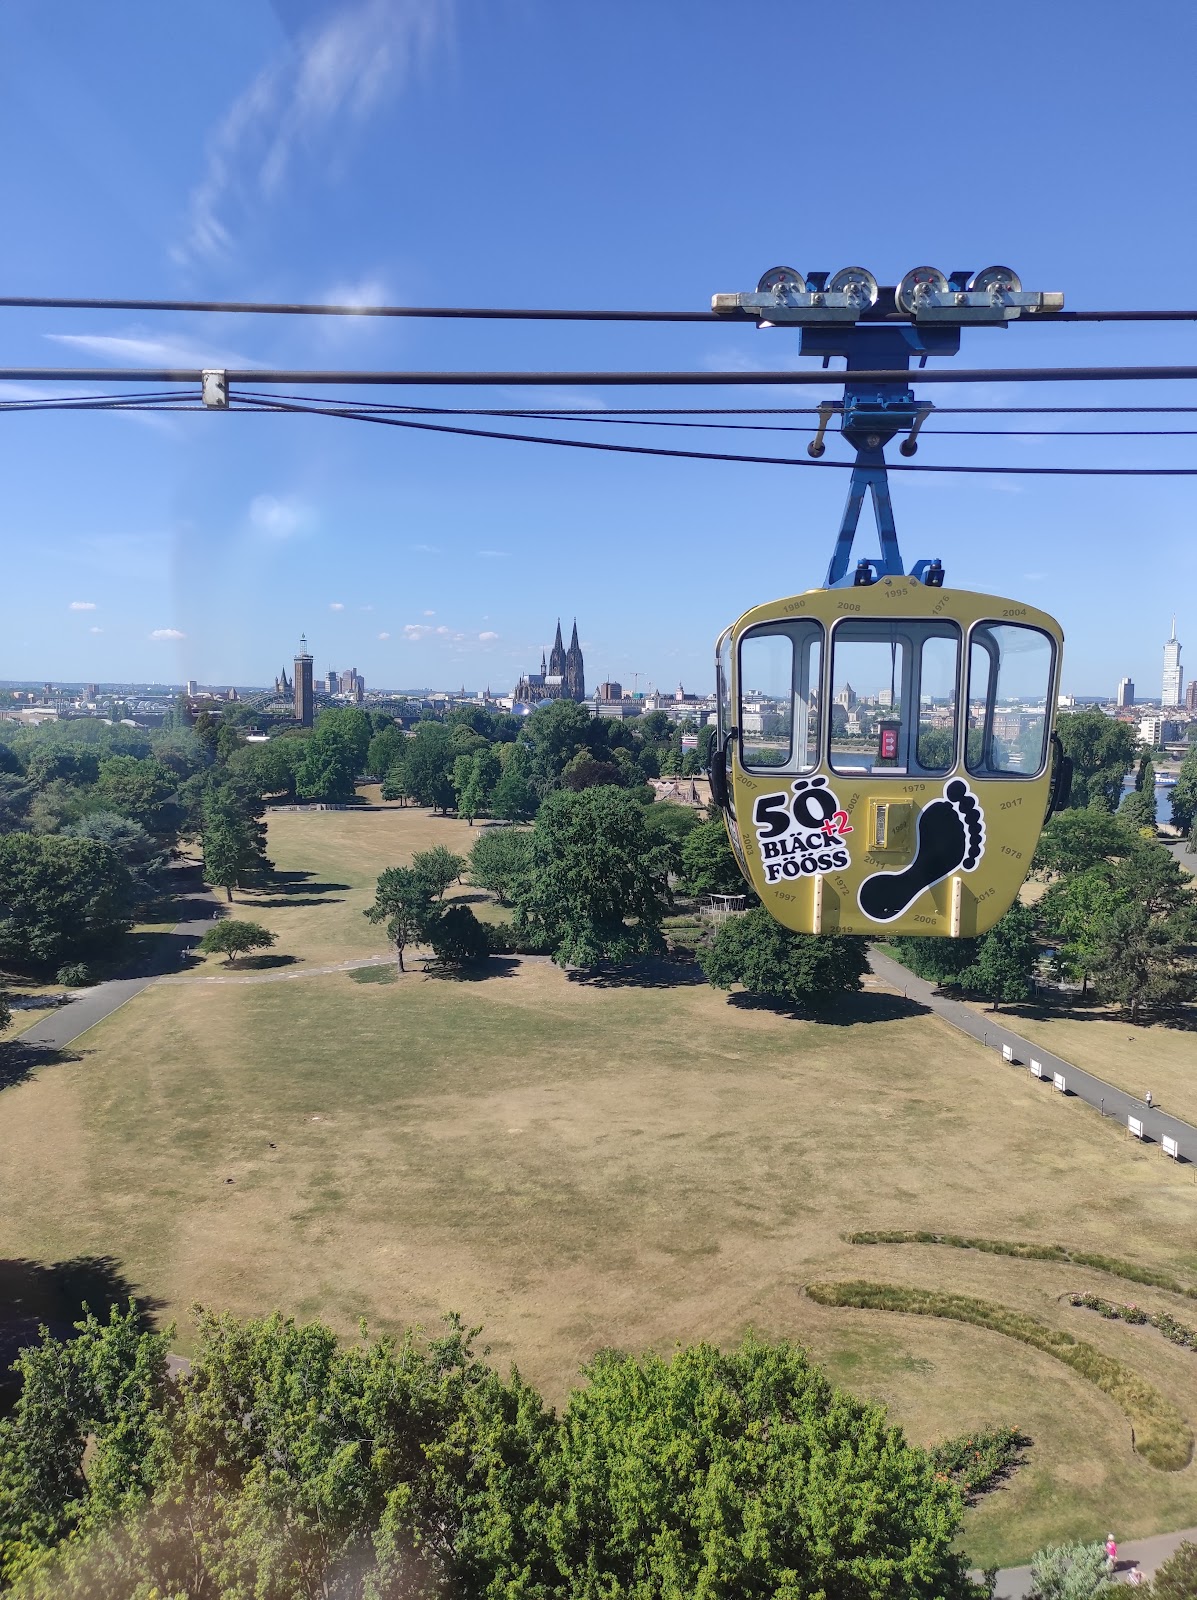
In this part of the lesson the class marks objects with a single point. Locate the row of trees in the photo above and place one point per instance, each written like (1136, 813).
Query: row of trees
(286, 1465)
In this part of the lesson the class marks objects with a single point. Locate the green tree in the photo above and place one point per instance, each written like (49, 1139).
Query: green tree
(1144, 963)
(60, 899)
(1176, 1578)
(1183, 796)
(1102, 752)
(596, 889)
(328, 767)
(102, 1392)
(744, 1473)
(394, 785)
(555, 733)
(1078, 910)
(474, 779)
(514, 799)
(458, 938)
(140, 790)
(438, 868)
(141, 854)
(232, 938)
(939, 961)
(428, 765)
(708, 865)
(799, 968)
(234, 839)
(1005, 960)
(1073, 841)
(352, 727)
(1137, 810)
(386, 750)
(499, 859)
(1071, 1572)
(269, 768)
(403, 900)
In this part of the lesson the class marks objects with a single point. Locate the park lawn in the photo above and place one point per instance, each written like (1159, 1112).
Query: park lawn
(1159, 1057)
(330, 861)
(581, 1165)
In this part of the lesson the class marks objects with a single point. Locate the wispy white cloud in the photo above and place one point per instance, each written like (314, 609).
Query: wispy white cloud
(430, 613)
(134, 348)
(426, 549)
(279, 518)
(95, 630)
(82, 605)
(384, 636)
(335, 605)
(365, 292)
(414, 631)
(167, 633)
(497, 554)
(486, 638)
(337, 75)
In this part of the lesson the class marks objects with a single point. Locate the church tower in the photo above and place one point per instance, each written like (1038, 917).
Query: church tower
(575, 673)
(557, 658)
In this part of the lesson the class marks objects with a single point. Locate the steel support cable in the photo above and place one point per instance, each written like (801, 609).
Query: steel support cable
(747, 427)
(271, 406)
(554, 380)
(505, 313)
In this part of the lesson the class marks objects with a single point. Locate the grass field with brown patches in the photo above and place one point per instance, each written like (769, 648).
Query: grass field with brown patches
(330, 861)
(577, 1165)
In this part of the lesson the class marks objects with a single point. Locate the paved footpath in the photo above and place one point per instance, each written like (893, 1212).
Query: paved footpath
(1014, 1583)
(989, 1028)
(89, 1006)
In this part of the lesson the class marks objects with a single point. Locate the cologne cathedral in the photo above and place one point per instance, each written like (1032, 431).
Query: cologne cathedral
(562, 677)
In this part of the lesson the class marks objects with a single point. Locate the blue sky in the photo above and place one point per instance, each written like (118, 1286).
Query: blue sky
(521, 152)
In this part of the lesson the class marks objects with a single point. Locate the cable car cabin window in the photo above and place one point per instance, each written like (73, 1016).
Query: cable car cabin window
(1010, 670)
(780, 667)
(939, 669)
(893, 696)
(723, 680)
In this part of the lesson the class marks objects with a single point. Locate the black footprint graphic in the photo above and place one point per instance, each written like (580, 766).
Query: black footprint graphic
(951, 837)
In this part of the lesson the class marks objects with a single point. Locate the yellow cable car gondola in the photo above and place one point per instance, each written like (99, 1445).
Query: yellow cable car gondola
(886, 756)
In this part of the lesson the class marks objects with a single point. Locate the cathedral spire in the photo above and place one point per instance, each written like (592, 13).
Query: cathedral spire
(573, 643)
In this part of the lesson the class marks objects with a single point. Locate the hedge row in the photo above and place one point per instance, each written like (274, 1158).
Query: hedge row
(1178, 1332)
(1030, 1252)
(1160, 1434)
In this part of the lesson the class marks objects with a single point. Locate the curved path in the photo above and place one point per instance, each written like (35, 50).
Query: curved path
(989, 1029)
(1014, 1583)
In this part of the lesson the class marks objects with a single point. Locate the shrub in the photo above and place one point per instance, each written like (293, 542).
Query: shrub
(75, 975)
(1177, 1332)
(1176, 1578)
(978, 1462)
(232, 938)
(458, 938)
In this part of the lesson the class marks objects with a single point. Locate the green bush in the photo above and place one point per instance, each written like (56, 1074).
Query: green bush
(1176, 1578)
(75, 975)
(979, 1461)
(1177, 1332)
(1161, 1435)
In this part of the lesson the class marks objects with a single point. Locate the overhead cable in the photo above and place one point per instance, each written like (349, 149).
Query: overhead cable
(453, 379)
(495, 313)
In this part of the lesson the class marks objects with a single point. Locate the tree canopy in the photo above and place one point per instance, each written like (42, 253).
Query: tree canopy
(804, 970)
(596, 887)
(232, 938)
(60, 898)
(286, 1465)
(403, 900)
(1102, 751)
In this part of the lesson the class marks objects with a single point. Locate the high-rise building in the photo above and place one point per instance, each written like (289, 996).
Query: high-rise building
(1173, 677)
(333, 681)
(611, 690)
(1126, 692)
(304, 697)
(192, 686)
(1191, 696)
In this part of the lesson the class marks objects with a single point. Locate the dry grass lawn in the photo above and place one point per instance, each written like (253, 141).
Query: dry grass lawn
(576, 1166)
(334, 858)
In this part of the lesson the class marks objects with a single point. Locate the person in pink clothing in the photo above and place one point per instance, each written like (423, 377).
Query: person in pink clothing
(1111, 1552)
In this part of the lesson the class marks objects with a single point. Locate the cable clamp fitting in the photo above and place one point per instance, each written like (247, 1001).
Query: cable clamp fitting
(215, 388)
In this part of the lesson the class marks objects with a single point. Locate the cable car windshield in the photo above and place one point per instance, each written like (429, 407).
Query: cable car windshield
(1010, 674)
(894, 696)
(780, 670)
